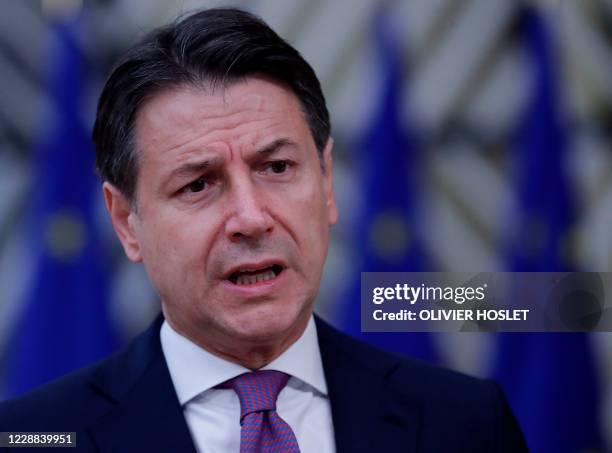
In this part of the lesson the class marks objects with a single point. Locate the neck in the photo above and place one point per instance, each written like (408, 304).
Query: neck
(254, 358)
(252, 353)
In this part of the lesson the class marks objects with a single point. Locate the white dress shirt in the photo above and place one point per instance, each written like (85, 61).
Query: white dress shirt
(213, 415)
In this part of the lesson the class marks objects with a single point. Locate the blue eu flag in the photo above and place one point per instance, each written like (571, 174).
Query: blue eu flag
(549, 378)
(387, 236)
(64, 323)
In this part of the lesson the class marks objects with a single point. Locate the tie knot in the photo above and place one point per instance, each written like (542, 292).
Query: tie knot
(258, 390)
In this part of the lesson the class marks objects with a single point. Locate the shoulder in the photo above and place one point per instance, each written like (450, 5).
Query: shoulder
(69, 401)
(78, 399)
(413, 376)
(451, 405)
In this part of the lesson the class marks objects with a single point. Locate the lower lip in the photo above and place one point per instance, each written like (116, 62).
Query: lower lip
(259, 288)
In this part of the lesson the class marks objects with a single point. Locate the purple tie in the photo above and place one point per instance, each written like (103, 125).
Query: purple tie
(262, 430)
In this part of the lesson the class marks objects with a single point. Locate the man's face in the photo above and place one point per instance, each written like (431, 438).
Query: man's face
(233, 211)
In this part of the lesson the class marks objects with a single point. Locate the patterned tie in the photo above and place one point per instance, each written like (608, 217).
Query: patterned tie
(262, 430)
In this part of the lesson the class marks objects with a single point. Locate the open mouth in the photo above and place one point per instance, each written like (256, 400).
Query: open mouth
(253, 276)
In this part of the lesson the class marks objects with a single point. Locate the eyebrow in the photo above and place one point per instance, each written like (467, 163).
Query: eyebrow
(275, 146)
(193, 168)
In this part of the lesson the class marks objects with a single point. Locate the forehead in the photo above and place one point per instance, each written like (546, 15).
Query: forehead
(251, 107)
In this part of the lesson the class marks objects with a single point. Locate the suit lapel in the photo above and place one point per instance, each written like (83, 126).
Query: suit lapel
(369, 410)
(147, 415)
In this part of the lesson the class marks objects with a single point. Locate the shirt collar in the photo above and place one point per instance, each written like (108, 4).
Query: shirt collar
(194, 370)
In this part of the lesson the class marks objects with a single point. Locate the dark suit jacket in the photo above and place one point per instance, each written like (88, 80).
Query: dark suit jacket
(380, 402)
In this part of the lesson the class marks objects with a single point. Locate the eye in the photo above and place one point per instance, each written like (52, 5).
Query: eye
(196, 186)
(277, 167)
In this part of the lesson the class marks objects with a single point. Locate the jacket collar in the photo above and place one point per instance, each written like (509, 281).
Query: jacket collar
(147, 415)
(370, 410)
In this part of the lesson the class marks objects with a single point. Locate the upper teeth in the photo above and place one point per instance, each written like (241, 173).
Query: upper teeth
(250, 279)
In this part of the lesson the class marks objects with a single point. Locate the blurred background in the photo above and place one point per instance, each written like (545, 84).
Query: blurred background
(469, 136)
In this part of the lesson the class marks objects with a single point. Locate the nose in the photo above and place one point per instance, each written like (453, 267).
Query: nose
(249, 217)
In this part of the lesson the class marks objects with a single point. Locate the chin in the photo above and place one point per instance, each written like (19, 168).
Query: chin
(266, 326)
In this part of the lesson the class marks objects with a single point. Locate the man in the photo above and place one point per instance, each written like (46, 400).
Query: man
(213, 141)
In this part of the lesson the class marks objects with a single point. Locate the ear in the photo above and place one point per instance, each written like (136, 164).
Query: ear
(123, 218)
(328, 182)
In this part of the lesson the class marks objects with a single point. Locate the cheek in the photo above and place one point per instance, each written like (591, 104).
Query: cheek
(159, 253)
(171, 245)
(157, 238)
(310, 224)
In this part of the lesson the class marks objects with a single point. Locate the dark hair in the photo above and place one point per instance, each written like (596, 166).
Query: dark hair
(214, 46)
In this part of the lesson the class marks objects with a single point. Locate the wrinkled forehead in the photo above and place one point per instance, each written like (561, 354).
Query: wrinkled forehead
(210, 107)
